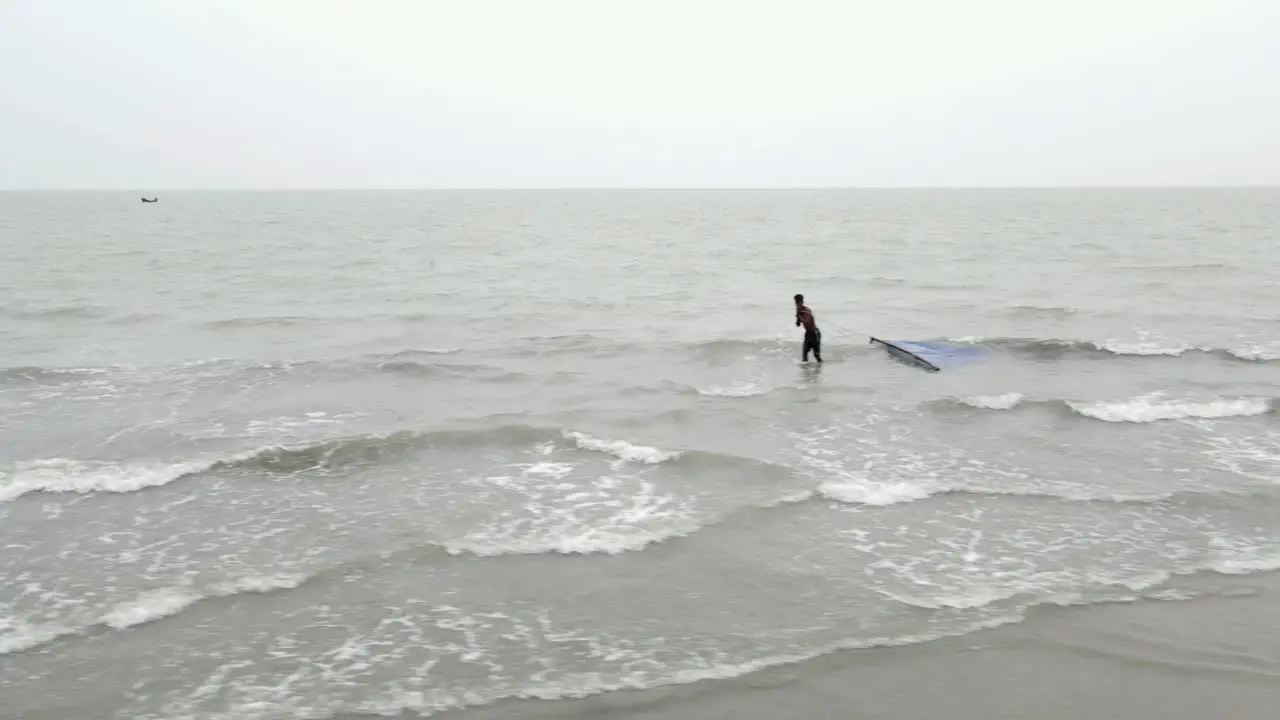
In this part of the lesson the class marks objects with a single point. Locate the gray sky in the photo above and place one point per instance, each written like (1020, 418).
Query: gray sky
(156, 94)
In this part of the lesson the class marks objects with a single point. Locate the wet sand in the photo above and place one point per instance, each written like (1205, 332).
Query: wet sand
(1211, 657)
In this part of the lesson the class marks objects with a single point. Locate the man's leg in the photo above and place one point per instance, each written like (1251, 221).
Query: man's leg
(817, 345)
(808, 345)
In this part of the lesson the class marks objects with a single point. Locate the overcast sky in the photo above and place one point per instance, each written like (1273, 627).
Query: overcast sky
(156, 94)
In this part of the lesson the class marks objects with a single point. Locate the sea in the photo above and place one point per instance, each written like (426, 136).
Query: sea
(369, 453)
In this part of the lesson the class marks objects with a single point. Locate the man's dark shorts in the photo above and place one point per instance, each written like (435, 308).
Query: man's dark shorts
(812, 342)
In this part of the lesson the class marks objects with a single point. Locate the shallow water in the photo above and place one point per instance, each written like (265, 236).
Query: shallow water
(274, 455)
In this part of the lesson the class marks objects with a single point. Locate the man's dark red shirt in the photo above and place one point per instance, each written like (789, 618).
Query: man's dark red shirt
(804, 316)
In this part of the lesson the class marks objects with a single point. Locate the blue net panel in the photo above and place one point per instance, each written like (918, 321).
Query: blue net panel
(932, 355)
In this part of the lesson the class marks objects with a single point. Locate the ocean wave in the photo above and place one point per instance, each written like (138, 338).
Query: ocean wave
(1247, 563)
(422, 362)
(582, 540)
(433, 363)
(49, 375)
(412, 352)
(574, 536)
(1179, 267)
(18, 635)
(1053, 349)
(881, 493)
(265, 321)
(635, 524)
(421, 369)
(736, 390)
(1256, 353)
(1070, 588)
(61, 475)
(870, 492)
(371, 449)
(1152, 408)
(63, 312)
(1004, 401)
(553, 345)
(622, 449)
(1041, 311)
(395, 699)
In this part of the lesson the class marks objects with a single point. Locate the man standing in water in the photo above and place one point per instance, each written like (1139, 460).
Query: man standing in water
(812, 336)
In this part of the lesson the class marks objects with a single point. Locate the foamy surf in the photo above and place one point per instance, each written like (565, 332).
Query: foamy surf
(18, 635)
(1146, 348)
(1006, 401)
(60, 475)
(1148, 345)
(563, 514)
(574, 537)
(148, 607)
(737, 390)
(1258, 353)
(872, 493)
(395, 700)
(622, 449)
(163, 602)
(1151, 408)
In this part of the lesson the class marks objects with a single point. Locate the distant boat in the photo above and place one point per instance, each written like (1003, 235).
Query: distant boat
(151, 200)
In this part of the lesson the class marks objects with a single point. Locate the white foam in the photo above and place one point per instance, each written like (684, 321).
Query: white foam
(258, 584)
(605, 514)
(554, 470)
(1007, 401)
(872, 493)
(622, 449)
(1257, 352)
(1248, 565)
(1256, 457)
(1237, 557)
(735, 390)
(1150, 408)
(284, 424)
(1143, 348)
(394, 701)
(974, 599)
(150, 606)
(18, 635)
(59, 475)
(576, 538)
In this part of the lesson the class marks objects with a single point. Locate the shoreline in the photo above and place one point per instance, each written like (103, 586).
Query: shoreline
(1217, 655)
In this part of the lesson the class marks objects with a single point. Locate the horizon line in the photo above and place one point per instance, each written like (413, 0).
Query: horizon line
(652, 188)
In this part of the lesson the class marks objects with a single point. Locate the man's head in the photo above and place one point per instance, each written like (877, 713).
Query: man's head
(799, 299)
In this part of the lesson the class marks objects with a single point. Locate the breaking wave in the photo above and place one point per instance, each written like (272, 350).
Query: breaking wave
(395, 699)
(1005, 401)
(1050, 349)
(60, 475)
(1155, 407)
(18, 636)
